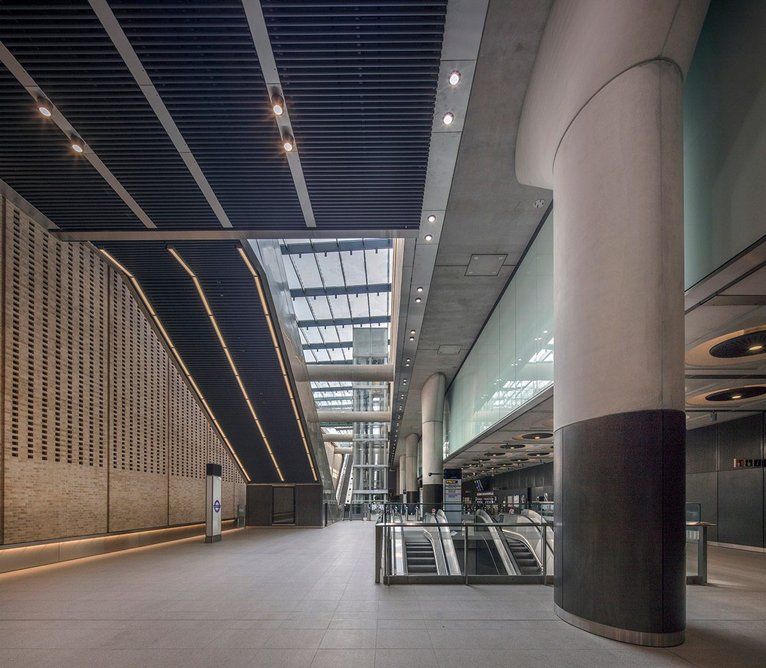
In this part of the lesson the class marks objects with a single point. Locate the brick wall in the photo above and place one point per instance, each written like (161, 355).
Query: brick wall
(99, 430)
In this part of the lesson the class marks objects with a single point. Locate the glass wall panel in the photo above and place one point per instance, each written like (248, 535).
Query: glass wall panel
(725, 137)
(512, 360)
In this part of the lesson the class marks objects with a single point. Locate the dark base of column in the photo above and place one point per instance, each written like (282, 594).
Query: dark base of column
(412, 497)
(432, 497)
(620, 562)
(213, 539)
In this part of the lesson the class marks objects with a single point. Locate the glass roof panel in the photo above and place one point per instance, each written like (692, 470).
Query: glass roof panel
(327, 270)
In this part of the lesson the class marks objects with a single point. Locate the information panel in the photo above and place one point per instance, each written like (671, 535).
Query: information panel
(453, 495)
(213, 504)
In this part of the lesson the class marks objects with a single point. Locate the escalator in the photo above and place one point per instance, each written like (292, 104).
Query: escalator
(420, 555)
(523, 557)
(344, 479)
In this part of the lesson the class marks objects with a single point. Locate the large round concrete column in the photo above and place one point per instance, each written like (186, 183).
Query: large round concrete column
(602, 126)
(432, 411)
(411, 476)
(618, 378)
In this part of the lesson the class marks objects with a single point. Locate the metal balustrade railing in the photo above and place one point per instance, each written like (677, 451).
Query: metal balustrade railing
(479, 549)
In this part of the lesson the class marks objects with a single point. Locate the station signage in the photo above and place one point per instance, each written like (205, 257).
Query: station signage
(748, 463)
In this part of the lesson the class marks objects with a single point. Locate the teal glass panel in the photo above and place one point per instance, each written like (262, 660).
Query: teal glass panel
(512, 360)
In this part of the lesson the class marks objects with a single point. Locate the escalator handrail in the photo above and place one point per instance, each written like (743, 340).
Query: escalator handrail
(509, 563)
(433, 535)
(448, 545)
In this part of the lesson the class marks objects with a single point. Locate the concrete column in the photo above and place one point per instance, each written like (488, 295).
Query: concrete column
(432, 409)
(402, 475)
(601, 125)
(411, 478)
(619, 382)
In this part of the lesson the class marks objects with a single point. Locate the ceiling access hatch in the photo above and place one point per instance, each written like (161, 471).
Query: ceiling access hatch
(485, 265)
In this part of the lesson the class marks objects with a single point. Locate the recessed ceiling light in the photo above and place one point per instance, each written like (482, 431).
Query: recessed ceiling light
(736, 396)
(418, 300)
(420, 290)
(431, 218)
(288, 143)
(76, 146)
(454, 78)
(428, 237)
(277, 105)
(412, 331)
(448, 118)
(756, 347)
(44, 107)
(412, 338)
(409, 360)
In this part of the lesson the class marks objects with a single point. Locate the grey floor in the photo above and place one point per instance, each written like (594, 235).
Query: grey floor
(306, 597)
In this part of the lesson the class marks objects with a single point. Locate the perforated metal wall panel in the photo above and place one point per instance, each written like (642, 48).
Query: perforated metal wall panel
(55, 347)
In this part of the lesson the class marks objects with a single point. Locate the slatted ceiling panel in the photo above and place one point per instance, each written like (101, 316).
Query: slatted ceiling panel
(201, 58)
(234, 300)
(66, 50)
(35, 160)
(173, 296)
(360, 82)
(139, 388)
(56, 324)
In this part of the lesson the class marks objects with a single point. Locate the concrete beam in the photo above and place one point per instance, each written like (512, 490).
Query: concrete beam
(338, 438)
(351, 372)
(354, 416)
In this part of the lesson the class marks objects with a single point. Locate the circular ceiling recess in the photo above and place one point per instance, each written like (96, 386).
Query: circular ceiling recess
(737, 393)
(744, 345)
(534, 436)
(512, 446)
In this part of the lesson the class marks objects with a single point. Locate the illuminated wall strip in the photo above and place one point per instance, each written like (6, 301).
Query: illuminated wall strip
(148, 306)
(233, 366)
(278, 350)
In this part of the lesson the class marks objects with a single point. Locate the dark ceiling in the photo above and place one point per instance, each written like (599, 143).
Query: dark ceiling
(359, 79)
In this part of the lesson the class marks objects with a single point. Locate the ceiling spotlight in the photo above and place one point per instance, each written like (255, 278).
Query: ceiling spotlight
(418, 300)
(277, 104)
(420, 290)
(288, 143)
(454, 78)
(736, 396)
(76, 145)
(448, 118)
(408, 359)
(412, 331)
(412, 338)
(755, 348)
(44, 107)
(428, 237)
(431, 218)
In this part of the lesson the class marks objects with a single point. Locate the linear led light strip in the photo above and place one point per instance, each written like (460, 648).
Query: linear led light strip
(147, 304)
(285, 377)
(233, 366)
